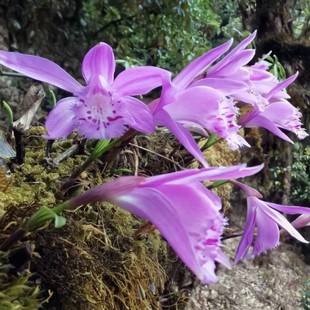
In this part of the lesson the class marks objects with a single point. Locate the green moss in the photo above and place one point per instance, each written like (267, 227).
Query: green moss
(94, 262)
(17, 292)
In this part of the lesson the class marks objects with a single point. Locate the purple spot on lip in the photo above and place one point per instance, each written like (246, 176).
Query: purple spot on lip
(230, 115)
(88, 112)
(111, 119)
(82, 119)
(89, 117)
(82, 100)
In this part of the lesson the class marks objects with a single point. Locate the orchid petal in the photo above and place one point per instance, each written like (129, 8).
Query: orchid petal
(191, 242)
(108, 191)
(61, 120)
(283, 222)
(234, 64)
(195, 128)
(168, 96)
(279, 112)
(225, 85)
(199, 65)
(40, 69)
(99, 62)
(222, 259)
(248, 190)
(204, 104)
(139, 81)
(252, 97)
(268, 233)
(210, 109)
(302, 221)
(182, 134)
(92, 130)
(286, 116)
(242, 74)
(261, 121)
(235, 141)
(262, 75)
(210, 173)
(227, 173)
(281, 86)
(289, 209)
(138, 115)
(247, 236)
(228, 58)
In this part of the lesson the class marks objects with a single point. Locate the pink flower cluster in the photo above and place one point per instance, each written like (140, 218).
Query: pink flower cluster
(206, 97)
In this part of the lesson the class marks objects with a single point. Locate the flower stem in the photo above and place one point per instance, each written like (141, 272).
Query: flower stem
(40, 217)
(211, 141)
(9, 111)
(116, 144)
(218, 184)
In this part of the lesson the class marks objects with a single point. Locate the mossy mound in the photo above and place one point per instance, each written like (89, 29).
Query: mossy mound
(96, 261)
(17, 290)
(101, 259)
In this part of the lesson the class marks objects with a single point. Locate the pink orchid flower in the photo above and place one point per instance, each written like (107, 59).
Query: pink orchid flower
(230, 75)
(102, 109)
(277, 114)
(264, 217)
(185, 212)
(192, 101)
(254, 85)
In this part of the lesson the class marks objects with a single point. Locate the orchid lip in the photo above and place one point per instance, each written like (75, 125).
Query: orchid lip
(98, 110)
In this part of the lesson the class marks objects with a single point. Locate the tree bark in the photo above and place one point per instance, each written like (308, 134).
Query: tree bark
(275, 32)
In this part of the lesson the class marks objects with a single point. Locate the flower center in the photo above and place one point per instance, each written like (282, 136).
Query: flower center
(99, 116)
(100, 110)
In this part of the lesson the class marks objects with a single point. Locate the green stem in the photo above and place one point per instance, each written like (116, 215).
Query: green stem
(40, 217)
(15, 74)
(98, 152)
(9, 111)
(43, 215)
(218, 184)
(213, 139)
(53, 97)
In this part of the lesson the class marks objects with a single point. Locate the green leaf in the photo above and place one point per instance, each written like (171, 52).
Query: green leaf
(60, 221)
(8, 111)
(54, 100)
(100, 147)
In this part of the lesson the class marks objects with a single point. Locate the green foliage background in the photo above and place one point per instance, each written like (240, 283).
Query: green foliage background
(153, 32)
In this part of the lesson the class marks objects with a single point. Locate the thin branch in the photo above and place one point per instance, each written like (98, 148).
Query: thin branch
(159, 155)
(14, 74)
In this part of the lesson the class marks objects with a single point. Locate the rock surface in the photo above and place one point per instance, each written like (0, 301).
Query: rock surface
(275, 280)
